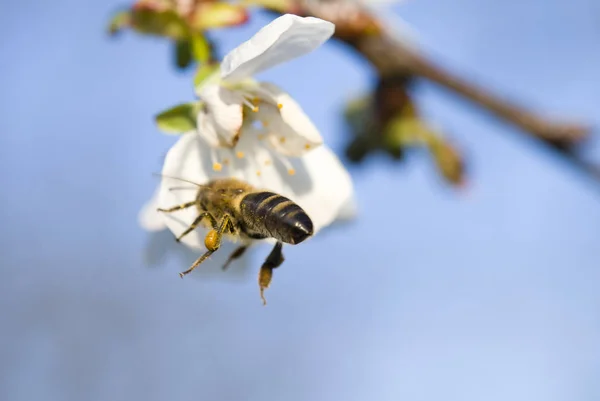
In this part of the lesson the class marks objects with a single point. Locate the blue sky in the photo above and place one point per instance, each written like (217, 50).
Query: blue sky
(491, 294)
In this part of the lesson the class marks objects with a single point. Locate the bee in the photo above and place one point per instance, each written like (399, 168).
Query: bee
(233, 208)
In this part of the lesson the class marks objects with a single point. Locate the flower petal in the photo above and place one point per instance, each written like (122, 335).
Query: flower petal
(221, 119)
(348, 211)
(207, 129)
(284, 39)
(292, 132)
(149, 218)
(185, 161)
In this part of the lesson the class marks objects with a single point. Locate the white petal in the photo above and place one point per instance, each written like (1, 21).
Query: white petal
(286, 38)
(348, 211)
(321, 186)
(190, 161)
(207, 129)
(149, 218)
(221, 120)
(293, 133)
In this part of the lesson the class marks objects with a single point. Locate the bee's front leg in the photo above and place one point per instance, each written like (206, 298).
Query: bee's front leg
(196, 222)
(178, 207)
(274, 260)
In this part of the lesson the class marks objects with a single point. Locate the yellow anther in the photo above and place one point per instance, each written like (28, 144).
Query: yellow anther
(226, 162)
(217, 166)
(265, 123)
(258, 173)
(307, 146)
(291, 171)
(255, 109)
(279, 106)
(267, 162)
(239, 155)
(282, 139)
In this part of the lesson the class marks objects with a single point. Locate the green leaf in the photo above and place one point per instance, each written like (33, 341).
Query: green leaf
(162, 23)
(201, 48)
(449, 161)
(204, 72)
(402, 132)
(179, 119)
(183, 53)
(118, 22)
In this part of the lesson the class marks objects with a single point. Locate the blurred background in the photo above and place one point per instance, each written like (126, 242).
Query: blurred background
(487, 293)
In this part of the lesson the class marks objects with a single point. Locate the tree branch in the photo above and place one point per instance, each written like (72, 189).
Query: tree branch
(358, 28)
(390, 56)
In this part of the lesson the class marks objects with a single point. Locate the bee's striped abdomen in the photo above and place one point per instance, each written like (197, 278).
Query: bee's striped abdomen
(267, 214)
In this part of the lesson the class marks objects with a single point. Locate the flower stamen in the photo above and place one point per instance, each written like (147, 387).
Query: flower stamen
(286, 163)
(214, 156)
(251, 105)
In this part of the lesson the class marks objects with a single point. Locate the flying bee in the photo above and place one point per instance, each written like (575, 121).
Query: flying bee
(235, 209)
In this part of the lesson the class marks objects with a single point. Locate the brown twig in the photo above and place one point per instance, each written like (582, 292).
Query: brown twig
(361, 30)
(388, 55)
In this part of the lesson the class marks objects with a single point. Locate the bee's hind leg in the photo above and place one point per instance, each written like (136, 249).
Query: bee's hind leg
(197, 262)
(212, 241)
(274, 260)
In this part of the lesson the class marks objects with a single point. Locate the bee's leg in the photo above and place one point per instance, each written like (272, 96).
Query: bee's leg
(228, 224)
(274, 260)
(212, 242)
(178, 207)
(197, 221)
(196, 263)
(236, 254)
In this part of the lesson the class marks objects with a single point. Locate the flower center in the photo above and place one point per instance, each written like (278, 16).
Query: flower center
(261, 154)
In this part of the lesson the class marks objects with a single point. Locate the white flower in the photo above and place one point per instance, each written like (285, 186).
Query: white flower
(233, 98)
(319, 183)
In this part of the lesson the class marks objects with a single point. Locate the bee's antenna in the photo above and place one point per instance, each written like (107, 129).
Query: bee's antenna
(178, 188)
(177, 178)
(205, 187)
